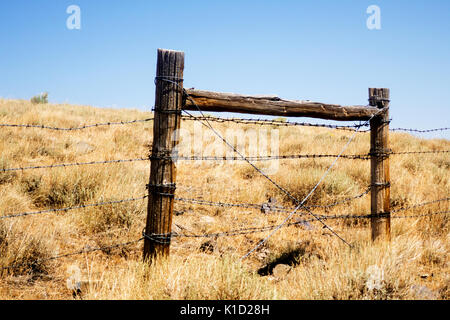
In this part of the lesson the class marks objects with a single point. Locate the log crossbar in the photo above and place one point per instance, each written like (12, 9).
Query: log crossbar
(209, 101)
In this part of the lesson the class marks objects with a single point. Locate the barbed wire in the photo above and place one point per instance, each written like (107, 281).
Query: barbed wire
(296, 156)
(271, 122)
(271, 208)
(73, 128)
(419, 130)
(265, 206)
(23, 214)
(64, 165)
(274, 122)
(269, 157)
(418, 152)
(87, 250)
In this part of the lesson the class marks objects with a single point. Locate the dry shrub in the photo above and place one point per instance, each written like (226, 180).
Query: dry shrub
(120, 216)
(62, 188)
(300, 183)
(23, 253)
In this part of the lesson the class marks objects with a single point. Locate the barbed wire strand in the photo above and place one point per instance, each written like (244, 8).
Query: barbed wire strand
(292, 156)
(261, 206)
(224, 158)
(327, 206)
(64, 165)
(274, 122)
(269, 122)
(23, 214)
(190, 200)
(74, 128)
(418, 152)
(419, 130)
(268, 157)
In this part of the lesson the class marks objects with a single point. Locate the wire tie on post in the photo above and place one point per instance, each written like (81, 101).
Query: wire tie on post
(160, 238)
(165, 154)
(169, 78)
(381, 185)
(159, 110)
(166, 190)
(380, 152)
(381, 215)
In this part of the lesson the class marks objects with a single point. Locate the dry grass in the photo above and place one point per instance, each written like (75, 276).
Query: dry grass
(413, 266)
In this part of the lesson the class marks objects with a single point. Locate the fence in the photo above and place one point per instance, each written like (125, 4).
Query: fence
(172, 99)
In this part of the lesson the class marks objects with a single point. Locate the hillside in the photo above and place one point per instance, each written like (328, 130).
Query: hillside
(302, 261)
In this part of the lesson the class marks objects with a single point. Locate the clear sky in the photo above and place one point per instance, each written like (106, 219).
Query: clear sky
(319, 50)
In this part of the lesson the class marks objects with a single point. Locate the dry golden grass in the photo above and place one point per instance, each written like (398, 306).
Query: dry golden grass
(413, 266)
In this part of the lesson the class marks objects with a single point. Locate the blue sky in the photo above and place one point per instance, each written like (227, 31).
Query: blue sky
(318, 50)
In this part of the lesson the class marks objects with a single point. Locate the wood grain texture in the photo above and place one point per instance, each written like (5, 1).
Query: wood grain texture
(168, 97)
(380, 176)
(271, 105)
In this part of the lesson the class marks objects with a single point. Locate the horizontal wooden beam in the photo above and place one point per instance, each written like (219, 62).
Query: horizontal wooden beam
(271, 105)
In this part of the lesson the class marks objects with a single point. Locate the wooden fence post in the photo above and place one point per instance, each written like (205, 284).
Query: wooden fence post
(380, 180)
(168, 103)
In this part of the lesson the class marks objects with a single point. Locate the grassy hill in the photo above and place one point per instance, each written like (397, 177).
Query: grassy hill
(304, 261)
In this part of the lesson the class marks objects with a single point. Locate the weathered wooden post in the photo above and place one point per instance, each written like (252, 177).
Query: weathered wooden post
(380, 180)
(168, 102)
